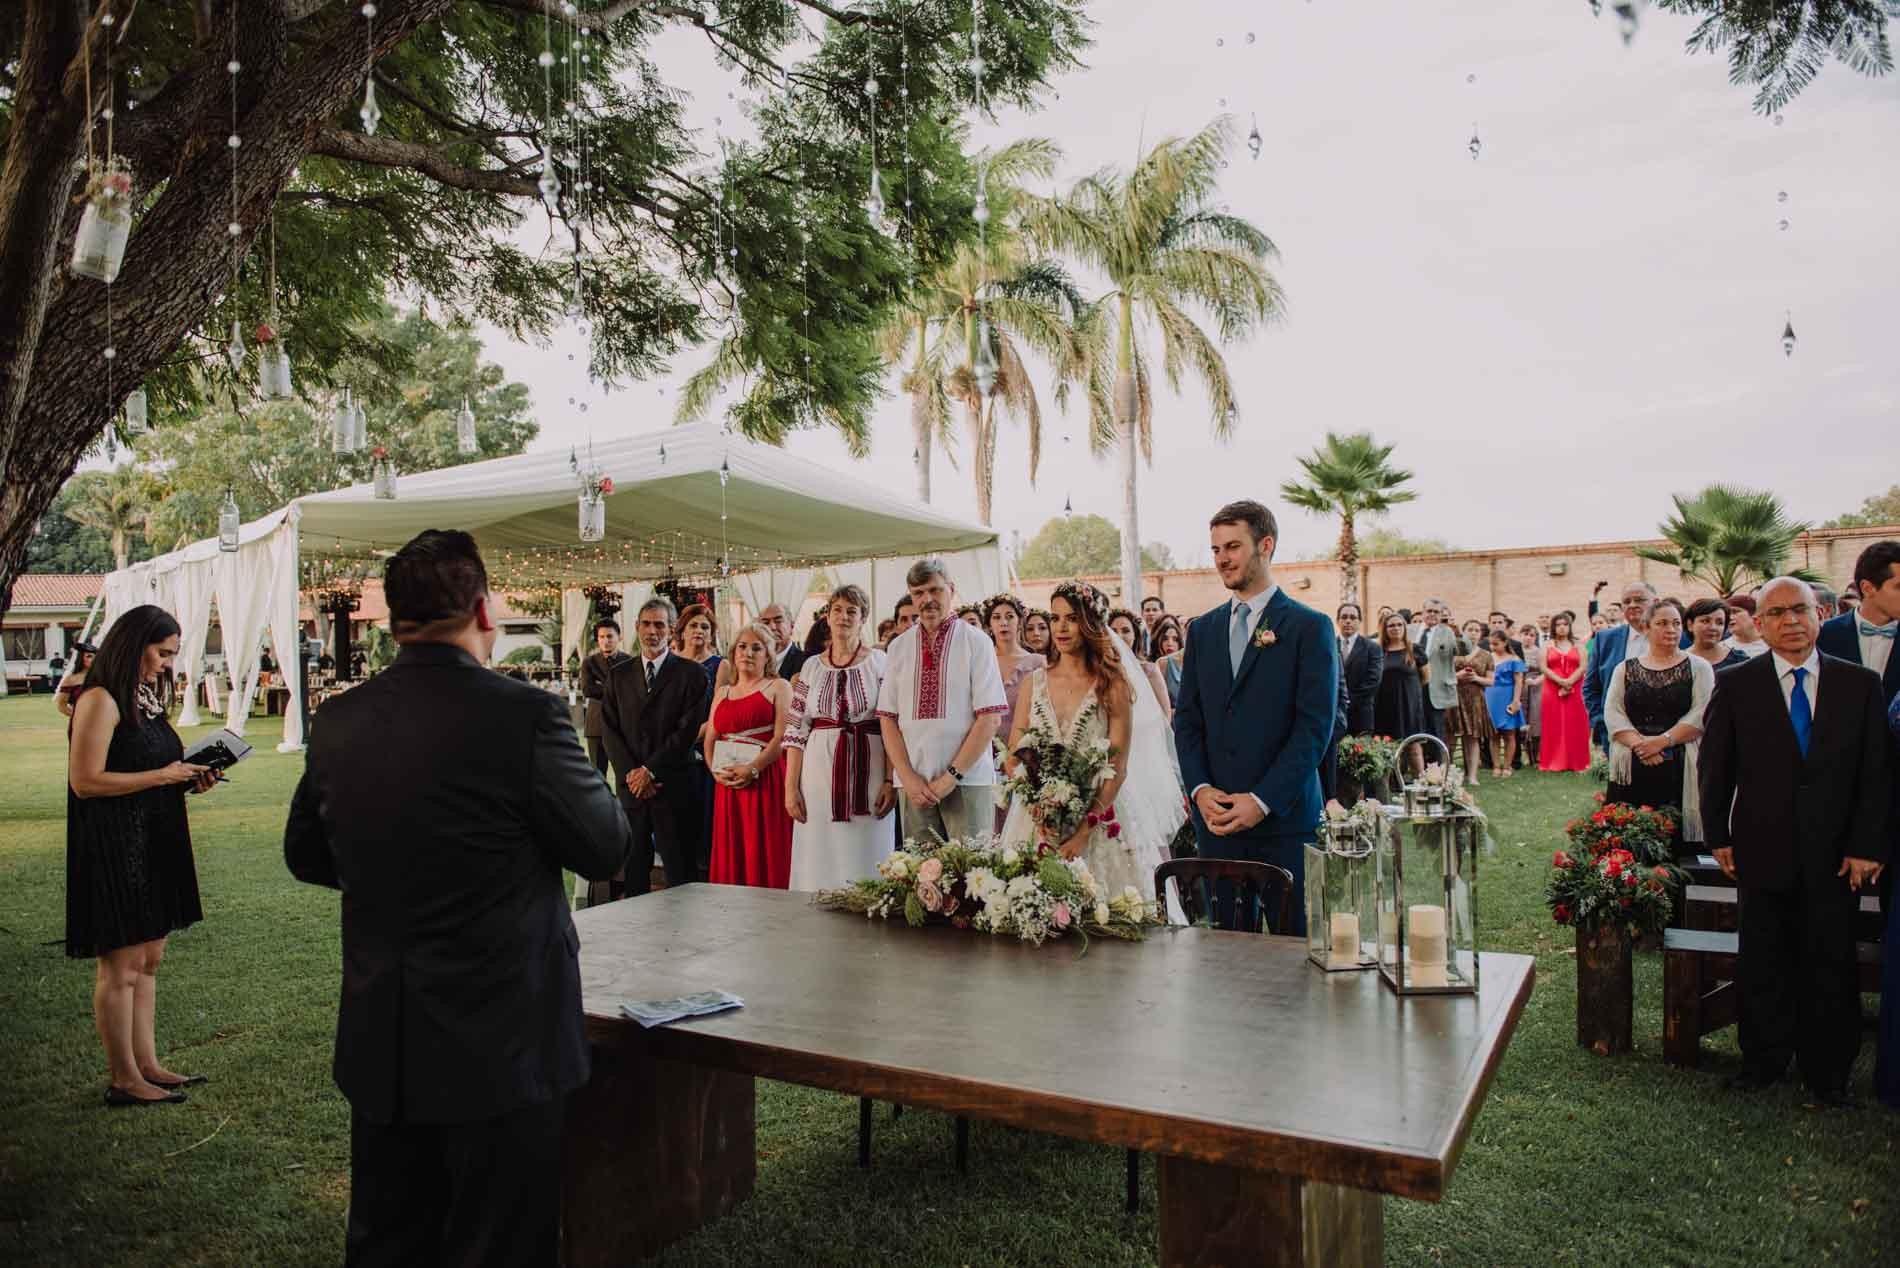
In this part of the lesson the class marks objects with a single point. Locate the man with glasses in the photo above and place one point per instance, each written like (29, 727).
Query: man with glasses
(1610, 647)
(1796, 797)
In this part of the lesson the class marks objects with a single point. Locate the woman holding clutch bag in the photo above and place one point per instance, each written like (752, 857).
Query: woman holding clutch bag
(130, 880)
(751, 833)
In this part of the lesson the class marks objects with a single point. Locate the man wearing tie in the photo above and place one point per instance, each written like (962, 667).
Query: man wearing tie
(1866, 637)
(594, 671)
(1361, 664)
(1795, 799)
(650, 715)
(1610, 648)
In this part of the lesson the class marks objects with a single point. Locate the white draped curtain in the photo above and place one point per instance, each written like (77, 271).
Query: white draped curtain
(191, 586)
(760, 590)
(573, 616)
(256, 588)
(286, 631)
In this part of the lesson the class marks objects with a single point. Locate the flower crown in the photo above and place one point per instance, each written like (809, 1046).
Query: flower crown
(1081, 594)
(995, 601)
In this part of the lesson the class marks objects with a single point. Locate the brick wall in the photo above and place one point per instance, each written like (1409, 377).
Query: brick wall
(1523, 582)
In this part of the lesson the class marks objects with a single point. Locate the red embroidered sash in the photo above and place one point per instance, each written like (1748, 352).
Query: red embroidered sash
(850, 766)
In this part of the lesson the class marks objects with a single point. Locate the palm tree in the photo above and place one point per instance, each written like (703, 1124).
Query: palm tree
(1165, 249)
(1349, 476)
(1726, 535)
(995, 284)
(114, 504)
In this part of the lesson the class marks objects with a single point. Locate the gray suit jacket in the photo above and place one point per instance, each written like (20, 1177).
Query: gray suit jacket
(1439, 649)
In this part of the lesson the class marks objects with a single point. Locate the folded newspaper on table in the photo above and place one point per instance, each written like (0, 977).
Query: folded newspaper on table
(658, 1012)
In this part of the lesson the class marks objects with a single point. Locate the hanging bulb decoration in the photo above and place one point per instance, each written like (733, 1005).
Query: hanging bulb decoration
(574, 461)
(662, 453)
(725, 473)
(1787, 337)
(980, 211)
(228, 521)
(874, 209)
(983, 366)
(465, 442)
(1255, 142)
(1476, 146)
(1068, 507)
(137, 412)
(371, 114)
(1628, 13)
(550, 182)
(234, 351)
(1596, 8)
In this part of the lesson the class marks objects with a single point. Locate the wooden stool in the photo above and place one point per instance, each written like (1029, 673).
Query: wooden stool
(1700, 995)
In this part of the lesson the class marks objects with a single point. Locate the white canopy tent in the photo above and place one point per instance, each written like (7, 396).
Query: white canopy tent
(771, 522)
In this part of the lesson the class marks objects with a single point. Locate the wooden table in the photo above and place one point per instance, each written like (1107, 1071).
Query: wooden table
(1282, 1101)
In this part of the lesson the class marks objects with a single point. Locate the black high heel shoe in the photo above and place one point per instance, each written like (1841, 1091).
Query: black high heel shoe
(190, 1080)
(119, 1098)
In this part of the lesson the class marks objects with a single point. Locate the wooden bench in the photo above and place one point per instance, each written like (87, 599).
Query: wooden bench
(1714, 907)
(1699, 991)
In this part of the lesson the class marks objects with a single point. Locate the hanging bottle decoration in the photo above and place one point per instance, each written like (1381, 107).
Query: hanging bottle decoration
(343, 426)
(371, 114)
(234, 351)
(137, 412)
(99, 246)
(595, 490)
(1255, 142)
(874, 202)
(273, 357)
(382, 474)
(1068, 507)
(228, 522)
(465, 441)
(359, 428)
(1787, 337)
(983, 364)
(725, 473)
(1628, 16)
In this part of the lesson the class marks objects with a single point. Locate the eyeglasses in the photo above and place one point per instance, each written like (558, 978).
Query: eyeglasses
(1795, 610)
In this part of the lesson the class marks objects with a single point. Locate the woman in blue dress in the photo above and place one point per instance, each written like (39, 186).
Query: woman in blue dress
(1504, 697)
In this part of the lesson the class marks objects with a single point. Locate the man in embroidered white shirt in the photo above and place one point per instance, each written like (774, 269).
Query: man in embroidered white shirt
(938, 709)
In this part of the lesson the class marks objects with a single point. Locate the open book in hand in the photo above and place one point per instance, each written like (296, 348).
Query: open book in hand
(221, 750)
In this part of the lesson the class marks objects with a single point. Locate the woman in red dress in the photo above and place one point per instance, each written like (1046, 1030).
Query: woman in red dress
(1566, 739)
(751, 833)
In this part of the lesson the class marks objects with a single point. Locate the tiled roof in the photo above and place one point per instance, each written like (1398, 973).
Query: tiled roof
(55, 590)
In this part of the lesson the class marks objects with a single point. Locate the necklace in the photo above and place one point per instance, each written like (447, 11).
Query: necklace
(849, 661)
(149, 703)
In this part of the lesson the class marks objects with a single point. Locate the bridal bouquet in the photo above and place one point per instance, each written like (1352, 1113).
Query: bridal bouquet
(1057, 781)
(1031, 894)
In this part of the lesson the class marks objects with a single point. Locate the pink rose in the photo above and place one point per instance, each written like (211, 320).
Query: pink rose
(1062, 916)
(931, 870)
(606, 484)
(930, 896)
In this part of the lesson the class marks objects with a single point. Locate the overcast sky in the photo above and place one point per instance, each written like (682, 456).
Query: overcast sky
(1556, 336)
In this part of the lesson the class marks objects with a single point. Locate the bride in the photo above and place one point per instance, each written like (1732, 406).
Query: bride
(1093, 690)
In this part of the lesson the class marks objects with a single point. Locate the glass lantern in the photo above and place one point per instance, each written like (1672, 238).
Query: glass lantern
(99, 247)
(273, 371)
(1341, 888)
(229, 522)
(343, 426)
(1427, 872)
(137, 412)
(466, 442)
(383, 479)
(593, 516)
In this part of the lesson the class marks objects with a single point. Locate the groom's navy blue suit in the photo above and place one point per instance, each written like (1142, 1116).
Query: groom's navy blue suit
(1263, 730)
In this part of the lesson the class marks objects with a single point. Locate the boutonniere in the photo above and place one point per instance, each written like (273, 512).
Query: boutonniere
(1265, 637)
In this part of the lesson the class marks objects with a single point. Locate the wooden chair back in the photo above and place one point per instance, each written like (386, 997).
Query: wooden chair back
(1231, 894)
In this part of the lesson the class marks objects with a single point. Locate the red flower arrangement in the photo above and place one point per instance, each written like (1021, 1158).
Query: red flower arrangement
(1617, 871)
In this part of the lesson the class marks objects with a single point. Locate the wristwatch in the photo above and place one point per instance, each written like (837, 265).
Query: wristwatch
(952, 771)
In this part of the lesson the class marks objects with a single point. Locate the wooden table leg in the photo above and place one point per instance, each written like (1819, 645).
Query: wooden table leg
(1214, 1215)
(653, 1150)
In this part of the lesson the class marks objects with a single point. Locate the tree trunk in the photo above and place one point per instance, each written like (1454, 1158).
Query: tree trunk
(985, 459)
(121, 553)
(1348, 560)
(1128, 423)
(1605, 992)
(180, 261)
(921, 437)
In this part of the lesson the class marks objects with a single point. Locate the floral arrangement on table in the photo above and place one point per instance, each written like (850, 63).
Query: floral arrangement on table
(1033, 895)
(1616, 872)
(1367, 759)
(1365, 821)
(1057, 780)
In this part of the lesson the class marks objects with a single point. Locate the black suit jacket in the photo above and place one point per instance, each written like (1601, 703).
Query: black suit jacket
(594, 672)
(444, 799)
(657, 729)
(795, 658)
(1362, 669)
(1790, 818)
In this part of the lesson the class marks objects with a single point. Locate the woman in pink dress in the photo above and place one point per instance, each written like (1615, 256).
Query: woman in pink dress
(751, 833)
(1565, 744)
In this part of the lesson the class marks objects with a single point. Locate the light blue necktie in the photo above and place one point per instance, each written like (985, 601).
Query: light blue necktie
(1878, 631)
(1237, 635)
(1800, 713)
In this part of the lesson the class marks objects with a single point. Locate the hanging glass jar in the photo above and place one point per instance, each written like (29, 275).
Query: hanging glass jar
(343, 426)
(273, 366)
(383, 475)
(359, 428)
(465, 439)
(228, 523)
(1341, 887)
(593, 517)
(99, 246)
(137, 412)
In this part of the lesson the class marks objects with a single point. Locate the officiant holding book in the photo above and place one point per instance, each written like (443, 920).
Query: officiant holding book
(444, 799)
(1259, 691)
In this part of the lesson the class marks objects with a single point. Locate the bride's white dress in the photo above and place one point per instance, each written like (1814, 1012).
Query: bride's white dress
(1148, 806)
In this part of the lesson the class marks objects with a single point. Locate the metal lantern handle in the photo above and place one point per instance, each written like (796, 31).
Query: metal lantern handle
(1443, 748)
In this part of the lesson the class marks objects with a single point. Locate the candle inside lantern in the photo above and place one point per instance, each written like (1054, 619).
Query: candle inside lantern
(1388, 930)
(1425, 927)
(1345, 937)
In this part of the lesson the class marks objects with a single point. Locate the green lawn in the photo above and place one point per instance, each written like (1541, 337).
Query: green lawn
(1574, 1159)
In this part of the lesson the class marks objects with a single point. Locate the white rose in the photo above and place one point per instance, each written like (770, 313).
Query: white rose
(1101, 913)
(1009, 857)
(1131, 895)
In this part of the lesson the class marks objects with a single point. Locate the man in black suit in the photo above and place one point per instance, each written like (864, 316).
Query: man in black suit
(594, 671)
(788, 657)
(444, 799)
(650, 714)
(1361, 664)
(1794, 783)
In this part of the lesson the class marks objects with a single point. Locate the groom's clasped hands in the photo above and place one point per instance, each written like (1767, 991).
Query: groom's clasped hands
(1227, 813)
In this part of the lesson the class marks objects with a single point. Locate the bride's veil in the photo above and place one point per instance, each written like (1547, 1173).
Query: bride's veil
(1150, 803)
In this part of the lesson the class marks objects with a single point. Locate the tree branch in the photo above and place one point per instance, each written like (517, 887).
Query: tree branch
(380, 151)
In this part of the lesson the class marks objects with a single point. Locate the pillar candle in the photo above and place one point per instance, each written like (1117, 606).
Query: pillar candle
(1425, 932)
(1345, 936)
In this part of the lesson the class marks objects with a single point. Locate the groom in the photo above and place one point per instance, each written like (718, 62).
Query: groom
(1258, 694)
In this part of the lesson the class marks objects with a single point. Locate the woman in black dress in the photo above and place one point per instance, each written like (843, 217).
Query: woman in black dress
(130, 880)
(1398, 710)
(1653, 712)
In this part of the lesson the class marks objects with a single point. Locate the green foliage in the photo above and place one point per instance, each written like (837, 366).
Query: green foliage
(1388, 543)
(114, 504)
(1349, 476)
(1726, 535)
(1078, 546)
(1879, 510)
(270, 453)
(1780, 47)
(66, 544)
(379, 648)
(532, 654)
